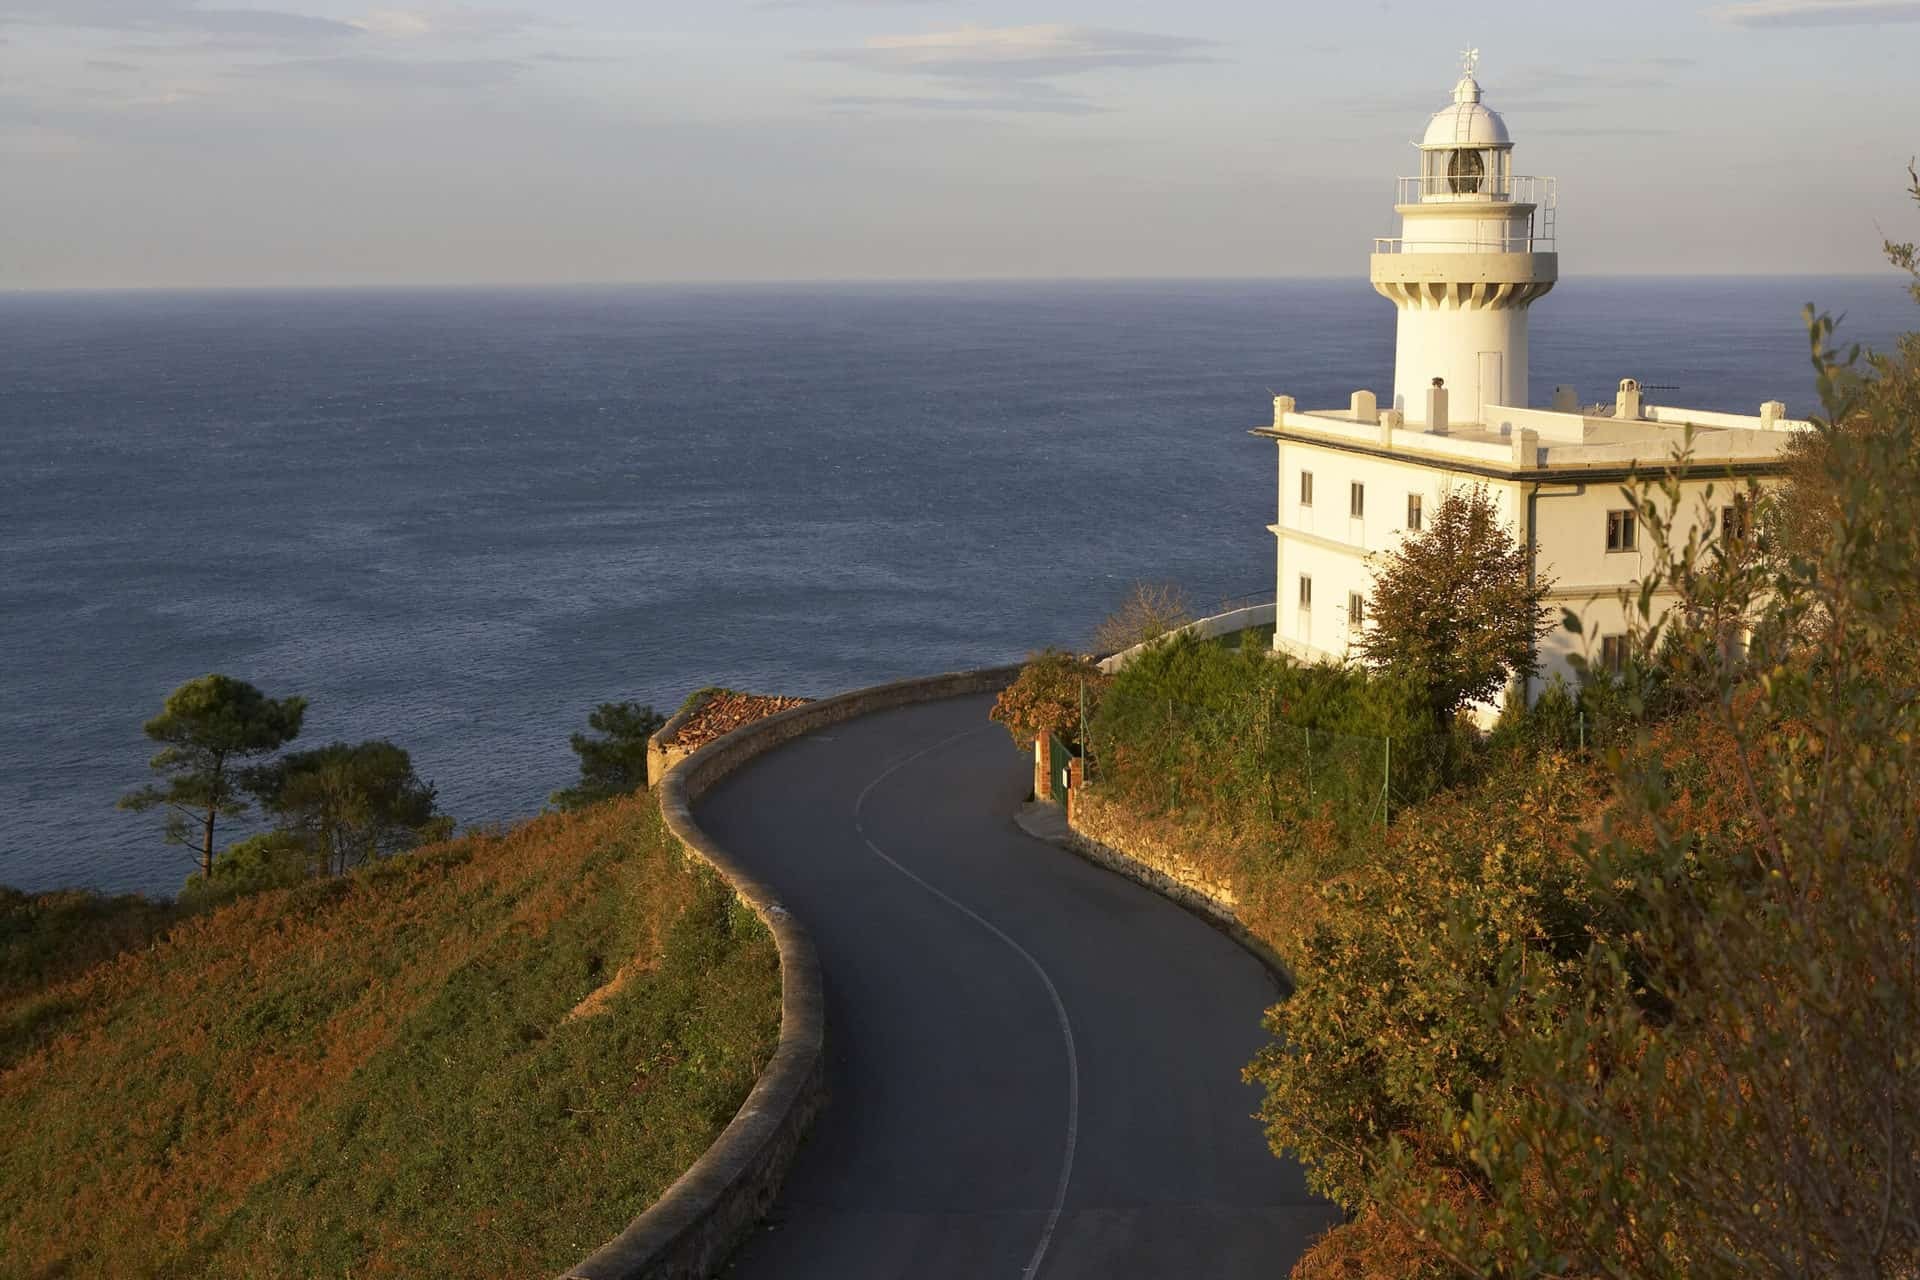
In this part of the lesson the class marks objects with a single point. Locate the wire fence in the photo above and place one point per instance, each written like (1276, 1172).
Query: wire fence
(1244, 760)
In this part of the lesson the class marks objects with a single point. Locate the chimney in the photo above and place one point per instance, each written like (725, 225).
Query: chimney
(1282, 406)
(1391, 420)
(1627, 404)
(1437, 407)
(1526, 447)
(1365, 407)
(1770, 414)
(1565, 401)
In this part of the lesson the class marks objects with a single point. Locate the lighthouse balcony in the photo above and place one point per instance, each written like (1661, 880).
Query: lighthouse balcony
(1491, 240)
(1479, 188)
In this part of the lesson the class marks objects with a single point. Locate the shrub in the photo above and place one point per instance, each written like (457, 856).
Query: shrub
(1455, 610)
(271, 860)
(1046, 697)
(1151, 610)
(1380, 1043)
(615, 762)
(1254, 741)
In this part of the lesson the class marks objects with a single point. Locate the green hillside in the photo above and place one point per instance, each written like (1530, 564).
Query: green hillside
(481, 1059)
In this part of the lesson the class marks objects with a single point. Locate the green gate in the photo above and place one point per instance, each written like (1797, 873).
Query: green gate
(1060, 760)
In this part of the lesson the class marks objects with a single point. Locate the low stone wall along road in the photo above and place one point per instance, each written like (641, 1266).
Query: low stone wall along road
(1034, 1064)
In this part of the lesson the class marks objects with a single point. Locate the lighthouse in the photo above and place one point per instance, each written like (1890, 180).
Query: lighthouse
(1475, 251)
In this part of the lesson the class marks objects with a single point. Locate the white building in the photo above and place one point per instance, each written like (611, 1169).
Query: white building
(1476, 250)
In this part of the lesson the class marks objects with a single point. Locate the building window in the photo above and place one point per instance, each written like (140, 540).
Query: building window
(1306, 591)
(1306, 488)
(1413, 512)
(1613, 653)
(1357, 500)
(1622, 535)
(1734, 522)
(1356, 610)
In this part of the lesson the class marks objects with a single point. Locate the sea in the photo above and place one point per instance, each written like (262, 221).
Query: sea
(458, 519)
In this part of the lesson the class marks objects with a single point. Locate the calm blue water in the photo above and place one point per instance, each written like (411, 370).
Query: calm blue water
(461, 518)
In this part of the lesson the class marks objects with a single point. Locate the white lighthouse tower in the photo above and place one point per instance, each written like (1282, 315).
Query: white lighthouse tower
(1475, 250)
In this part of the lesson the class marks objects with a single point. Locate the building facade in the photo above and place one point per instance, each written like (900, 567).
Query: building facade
(1476, 251)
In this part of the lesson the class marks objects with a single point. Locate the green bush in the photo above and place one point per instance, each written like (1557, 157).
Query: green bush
(1252, 740)
(271, 860)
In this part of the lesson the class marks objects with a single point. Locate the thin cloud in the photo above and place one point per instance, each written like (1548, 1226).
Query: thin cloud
(445, 22)
(399, 73)
(1058, 105)
(1018, 53)
(1550, 130)
(1817, 13)
(176, 18)
(111, 66)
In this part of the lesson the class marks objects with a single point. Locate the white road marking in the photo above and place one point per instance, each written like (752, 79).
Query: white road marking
(1059, 1007)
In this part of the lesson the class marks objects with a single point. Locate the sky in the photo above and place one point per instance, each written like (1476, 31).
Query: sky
(214, 143)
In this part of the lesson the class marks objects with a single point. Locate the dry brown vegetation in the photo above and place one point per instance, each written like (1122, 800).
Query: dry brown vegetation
(726, 711)
(1150, 610)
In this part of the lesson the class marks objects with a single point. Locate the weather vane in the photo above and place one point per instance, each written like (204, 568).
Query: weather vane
(1470, 60)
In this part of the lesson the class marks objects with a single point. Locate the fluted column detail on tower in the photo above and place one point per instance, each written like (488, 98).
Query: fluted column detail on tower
(1452, 295)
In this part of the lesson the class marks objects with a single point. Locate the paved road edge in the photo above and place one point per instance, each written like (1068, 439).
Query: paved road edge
(688, 1233)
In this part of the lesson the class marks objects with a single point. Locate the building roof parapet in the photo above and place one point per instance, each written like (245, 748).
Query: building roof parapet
(1517, 439)
(1722, 421)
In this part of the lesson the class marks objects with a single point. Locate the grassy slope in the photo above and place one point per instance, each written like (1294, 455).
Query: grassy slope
(380, 1076)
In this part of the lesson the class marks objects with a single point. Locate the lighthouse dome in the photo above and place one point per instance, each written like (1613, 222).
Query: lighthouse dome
(1467, 122)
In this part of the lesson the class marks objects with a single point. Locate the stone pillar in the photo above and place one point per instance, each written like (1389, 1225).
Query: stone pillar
(1042, 775)
(1437, 408)
(1526, 447)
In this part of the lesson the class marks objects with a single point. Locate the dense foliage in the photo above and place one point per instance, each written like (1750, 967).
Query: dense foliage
(211, 728)
(1383, 1046)
(1246, 741)
(1455, 611)
(482, 1058)
(615, 762)
(349, 804)
(1047, 697)
(335, 807)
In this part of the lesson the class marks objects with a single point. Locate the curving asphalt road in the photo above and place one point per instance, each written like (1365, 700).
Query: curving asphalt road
(1033, 1063)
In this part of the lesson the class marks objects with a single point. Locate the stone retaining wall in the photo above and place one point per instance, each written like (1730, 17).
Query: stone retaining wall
(688, 1233)
(1104, 833)
(662, 752)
